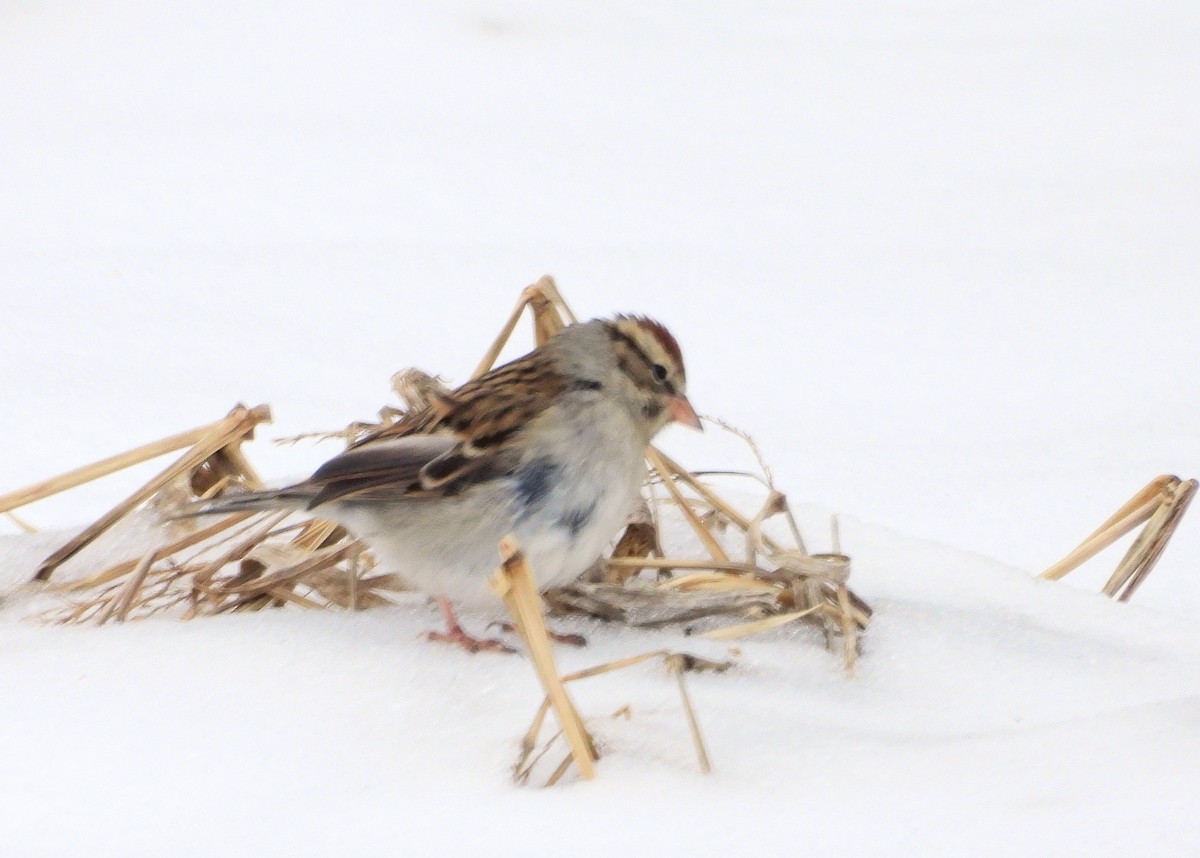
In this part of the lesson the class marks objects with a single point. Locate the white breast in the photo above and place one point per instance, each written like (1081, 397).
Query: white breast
(570, 496)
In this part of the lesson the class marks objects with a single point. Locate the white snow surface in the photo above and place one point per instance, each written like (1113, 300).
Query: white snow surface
(940, 258)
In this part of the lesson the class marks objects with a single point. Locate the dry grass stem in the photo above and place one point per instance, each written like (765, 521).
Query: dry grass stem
(560, 771)
(119, 607)
(248, 539)
(710, 542)
(676, 662)
(1159, 507)
(756, 626)
(96, 470)
(849, 630)
(1148, 548)
(750, 442)
(234, 428)
(711, 497)
(524, 766)
(21, 523)
(546, 305)
(619, 664)
(106, 575)
(514, 584)
(693, 722)
(718, 582)
(679, 563)
(1125, 520)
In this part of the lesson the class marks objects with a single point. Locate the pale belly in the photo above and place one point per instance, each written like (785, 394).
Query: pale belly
(564, 517)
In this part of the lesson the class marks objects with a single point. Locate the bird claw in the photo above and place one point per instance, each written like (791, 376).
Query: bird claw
(568, 638)
(456, 636)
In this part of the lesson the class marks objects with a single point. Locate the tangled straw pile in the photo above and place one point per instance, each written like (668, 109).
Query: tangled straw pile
(250, 561)
(747, 579)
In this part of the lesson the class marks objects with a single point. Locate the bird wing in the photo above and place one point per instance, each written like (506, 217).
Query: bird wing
(466, 436)
(390, 467)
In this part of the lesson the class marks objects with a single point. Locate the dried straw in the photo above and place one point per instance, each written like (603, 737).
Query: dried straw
(236, 427)
(515, 585)
(246, 561)
(1159, 506)
(96, 470)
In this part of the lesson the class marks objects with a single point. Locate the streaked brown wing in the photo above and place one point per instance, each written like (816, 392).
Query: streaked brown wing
(464, 437)
(486, 412)
(387, 467)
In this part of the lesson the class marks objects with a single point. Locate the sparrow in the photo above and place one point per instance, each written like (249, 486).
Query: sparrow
(548, 448)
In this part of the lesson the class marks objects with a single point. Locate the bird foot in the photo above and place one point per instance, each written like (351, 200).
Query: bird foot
(568, 638)
(455, 635)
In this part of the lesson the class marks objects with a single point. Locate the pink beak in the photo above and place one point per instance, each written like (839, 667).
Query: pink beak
(682, 412)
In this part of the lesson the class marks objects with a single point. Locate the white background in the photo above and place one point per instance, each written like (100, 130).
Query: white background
(939, 258)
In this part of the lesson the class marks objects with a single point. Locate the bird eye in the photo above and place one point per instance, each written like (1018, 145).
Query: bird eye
(659, 372)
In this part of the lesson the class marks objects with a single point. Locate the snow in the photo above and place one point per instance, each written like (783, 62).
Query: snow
(991, 714)
(939, 258)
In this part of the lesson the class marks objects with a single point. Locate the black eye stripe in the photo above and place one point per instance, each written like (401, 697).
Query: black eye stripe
(620, 336)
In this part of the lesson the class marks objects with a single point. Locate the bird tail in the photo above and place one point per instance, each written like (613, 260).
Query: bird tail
(291, 498)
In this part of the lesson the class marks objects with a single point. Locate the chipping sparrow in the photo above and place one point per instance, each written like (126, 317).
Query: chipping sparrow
(548, 448)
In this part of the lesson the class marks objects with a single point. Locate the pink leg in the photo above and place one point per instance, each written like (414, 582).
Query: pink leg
(568, 638)
(454, 633)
